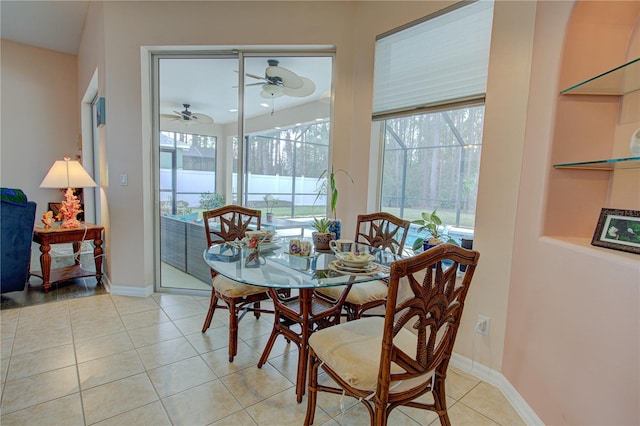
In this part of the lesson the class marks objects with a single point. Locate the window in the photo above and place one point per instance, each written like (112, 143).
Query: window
(429, 88)
(431, 161)
(187, 171)
(286, 164)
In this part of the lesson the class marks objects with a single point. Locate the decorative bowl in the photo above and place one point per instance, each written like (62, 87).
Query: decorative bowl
(354, 260)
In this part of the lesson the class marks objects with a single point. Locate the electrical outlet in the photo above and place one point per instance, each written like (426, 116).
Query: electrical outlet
(482, 325)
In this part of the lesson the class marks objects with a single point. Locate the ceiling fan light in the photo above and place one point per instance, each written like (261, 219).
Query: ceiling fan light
(271, 90)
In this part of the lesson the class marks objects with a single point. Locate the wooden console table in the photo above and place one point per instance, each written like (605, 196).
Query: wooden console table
(46, 237)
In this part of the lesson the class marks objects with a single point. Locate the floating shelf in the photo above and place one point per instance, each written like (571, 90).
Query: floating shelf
(618, 81)
(611, 164)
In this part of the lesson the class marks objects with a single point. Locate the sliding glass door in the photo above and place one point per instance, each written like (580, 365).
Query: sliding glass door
(278, 105)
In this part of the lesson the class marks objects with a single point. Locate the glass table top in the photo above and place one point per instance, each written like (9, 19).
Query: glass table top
(275, 267)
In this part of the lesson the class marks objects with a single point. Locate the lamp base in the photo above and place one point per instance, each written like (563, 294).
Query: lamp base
(69, 210)
(70, 223)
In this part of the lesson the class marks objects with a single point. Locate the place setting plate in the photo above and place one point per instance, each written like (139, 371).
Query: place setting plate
(369, 269)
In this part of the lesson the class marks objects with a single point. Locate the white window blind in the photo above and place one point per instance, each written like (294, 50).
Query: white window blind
(441, 60)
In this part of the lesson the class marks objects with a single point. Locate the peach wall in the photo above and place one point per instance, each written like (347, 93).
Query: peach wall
(90, 63)
(572, 338)
(40, 117)
(500, 168)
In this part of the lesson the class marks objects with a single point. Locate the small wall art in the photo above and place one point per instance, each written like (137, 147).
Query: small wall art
(100, 112)
(618, 230)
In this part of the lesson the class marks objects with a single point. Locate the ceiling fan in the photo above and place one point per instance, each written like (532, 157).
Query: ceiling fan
(187, 117)
(279, 81)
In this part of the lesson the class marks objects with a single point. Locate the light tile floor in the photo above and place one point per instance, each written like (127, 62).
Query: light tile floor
(115, 360)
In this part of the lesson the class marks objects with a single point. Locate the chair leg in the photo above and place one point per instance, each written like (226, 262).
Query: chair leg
(380, 415)
(212, 308)
(256, 306)
(233, 330)
(267, 349)
(440, 402)
(353, 311)
(303, 353)
(313, 388)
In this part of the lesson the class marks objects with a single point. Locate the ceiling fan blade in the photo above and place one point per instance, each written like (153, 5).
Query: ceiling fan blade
(170, 116)
(255, 76)
(181, 114)
(307, 89)
(254, 84)
(201, 118)
(288, 78)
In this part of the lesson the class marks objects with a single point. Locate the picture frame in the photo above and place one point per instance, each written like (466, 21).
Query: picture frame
(100, 112)
(618, 230)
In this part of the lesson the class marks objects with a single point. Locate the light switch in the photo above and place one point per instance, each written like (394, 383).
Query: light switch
(123, 179)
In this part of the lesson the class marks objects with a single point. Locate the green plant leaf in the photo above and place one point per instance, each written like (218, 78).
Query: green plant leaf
(435, 218)
(321, 225)
(334, 201)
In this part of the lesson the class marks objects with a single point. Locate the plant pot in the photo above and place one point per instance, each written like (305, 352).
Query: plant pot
(336, 227)
(321, 241)
(269, 217)
(468, 244)
(426, 246)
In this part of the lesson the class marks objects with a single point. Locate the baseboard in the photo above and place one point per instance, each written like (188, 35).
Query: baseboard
(498, 380)
(122, 290)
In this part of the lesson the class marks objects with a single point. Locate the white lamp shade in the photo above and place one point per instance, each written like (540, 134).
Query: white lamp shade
(67, 174)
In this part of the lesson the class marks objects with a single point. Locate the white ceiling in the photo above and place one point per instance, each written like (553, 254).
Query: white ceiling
(206, 84)
(210, 86)
(55, 25)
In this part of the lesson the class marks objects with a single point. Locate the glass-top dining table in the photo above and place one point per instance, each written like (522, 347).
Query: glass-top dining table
(274, 268)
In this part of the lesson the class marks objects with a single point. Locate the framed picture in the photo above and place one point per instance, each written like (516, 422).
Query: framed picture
(618, 230)
(100, 116)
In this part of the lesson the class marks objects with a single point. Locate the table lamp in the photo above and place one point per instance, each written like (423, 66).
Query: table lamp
(68, 174)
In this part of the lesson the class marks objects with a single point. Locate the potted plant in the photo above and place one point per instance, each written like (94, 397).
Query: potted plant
(431, 223)
(328, 187)
(323, 235)
(270, 202)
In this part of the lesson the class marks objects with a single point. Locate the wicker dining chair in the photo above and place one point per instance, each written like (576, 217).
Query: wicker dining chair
(382, 230)
(238, 298)
(391, 361)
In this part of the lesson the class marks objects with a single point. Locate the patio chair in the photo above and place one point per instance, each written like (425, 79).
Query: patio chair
(389, 362)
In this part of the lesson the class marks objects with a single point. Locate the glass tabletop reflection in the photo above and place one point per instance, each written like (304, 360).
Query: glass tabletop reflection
(273, 266)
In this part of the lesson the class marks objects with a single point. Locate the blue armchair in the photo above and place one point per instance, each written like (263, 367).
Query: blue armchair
(17, 217)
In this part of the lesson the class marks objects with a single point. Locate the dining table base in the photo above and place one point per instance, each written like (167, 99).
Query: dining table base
(310, 311)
